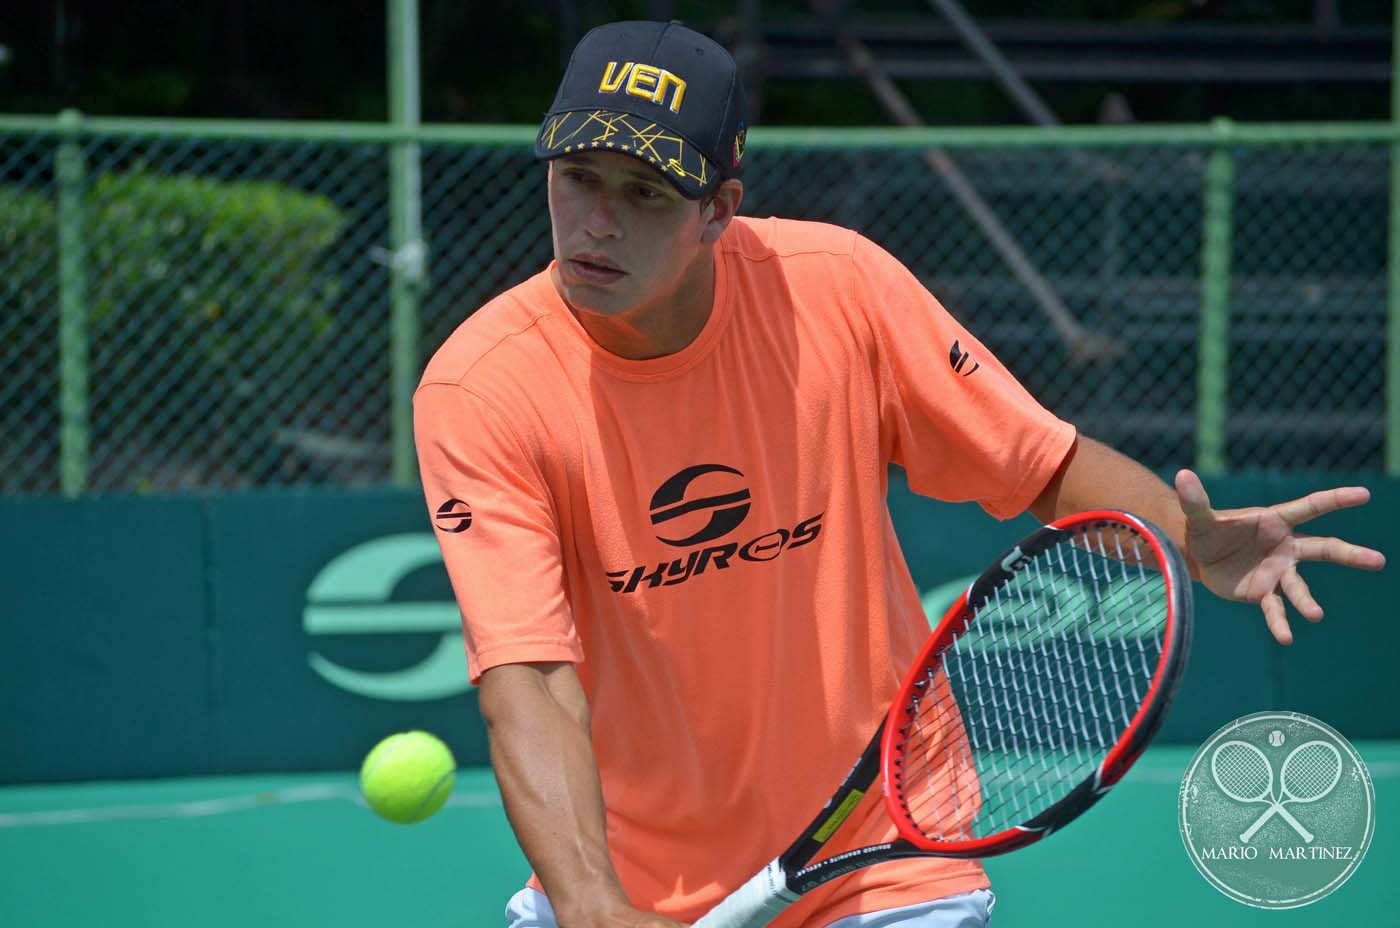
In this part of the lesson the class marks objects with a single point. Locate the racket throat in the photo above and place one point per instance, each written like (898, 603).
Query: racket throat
(1075, 803)
(837, 809)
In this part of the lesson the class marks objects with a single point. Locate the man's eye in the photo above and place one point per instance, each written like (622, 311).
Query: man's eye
(648, 193)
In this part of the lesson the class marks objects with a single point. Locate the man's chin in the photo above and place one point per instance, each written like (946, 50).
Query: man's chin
(590, 299)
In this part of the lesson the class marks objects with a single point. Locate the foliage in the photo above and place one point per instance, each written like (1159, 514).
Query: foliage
(225, 277)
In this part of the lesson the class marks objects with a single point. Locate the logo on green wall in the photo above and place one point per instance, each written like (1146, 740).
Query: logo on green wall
(351, 596)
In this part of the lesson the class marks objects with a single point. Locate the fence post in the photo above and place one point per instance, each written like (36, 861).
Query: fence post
(74, 436)
(1392, 288)
(407, 271)
(1213, 343)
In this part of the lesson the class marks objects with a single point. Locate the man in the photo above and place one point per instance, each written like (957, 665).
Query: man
(674, 444)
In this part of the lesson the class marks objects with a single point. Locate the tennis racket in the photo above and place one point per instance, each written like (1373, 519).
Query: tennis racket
(1036, 692)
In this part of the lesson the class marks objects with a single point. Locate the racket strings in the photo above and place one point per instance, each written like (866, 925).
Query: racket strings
(1036, 689)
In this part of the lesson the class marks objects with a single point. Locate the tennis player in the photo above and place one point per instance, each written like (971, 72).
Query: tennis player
(679, 578)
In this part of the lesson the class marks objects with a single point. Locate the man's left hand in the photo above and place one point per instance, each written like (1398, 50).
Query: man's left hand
(1252, 555)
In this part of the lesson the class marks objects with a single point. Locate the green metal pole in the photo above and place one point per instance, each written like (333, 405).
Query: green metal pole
(405, 229)
(1392, 290)
(1213, 345)
(74, 436)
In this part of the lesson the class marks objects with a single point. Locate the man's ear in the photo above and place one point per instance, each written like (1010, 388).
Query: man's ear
(719, 209)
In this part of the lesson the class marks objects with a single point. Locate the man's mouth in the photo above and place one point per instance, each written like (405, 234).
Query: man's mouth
(595, 269)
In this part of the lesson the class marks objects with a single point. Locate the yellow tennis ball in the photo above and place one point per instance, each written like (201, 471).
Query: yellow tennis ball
(408, 776)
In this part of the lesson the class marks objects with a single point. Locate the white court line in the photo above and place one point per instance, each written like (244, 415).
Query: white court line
(325, 791)
(222, 806)
(1381, 771)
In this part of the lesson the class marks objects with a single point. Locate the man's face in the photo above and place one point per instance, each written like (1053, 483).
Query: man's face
(624, 238)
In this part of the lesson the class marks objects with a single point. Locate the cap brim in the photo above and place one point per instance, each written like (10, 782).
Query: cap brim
(671, 154)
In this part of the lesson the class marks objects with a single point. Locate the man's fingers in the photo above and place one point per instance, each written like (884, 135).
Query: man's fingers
(1336, 551)
(1296, 589)
(1298, 511)
(1192, 495)
(1276, 619)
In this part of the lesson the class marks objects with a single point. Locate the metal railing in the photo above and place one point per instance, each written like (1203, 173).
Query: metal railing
(206, 304)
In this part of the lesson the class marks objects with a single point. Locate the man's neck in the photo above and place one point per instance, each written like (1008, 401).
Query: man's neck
(661, 328)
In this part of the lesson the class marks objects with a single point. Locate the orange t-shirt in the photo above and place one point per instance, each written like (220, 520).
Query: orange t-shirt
(706, 535)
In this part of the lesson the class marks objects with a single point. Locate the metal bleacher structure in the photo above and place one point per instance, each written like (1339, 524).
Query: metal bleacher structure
(1342, 311)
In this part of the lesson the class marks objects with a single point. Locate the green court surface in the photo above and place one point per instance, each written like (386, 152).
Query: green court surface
(302, 851)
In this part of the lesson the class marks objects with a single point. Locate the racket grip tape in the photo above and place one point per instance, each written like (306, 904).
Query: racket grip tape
(754, 904)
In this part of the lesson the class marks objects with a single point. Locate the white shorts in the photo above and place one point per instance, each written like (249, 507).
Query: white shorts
(529, 908)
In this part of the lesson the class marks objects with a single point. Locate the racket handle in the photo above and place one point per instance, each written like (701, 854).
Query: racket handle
(754, 904)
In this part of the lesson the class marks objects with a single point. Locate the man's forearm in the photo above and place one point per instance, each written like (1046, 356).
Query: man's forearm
(548, 776)
(1097, 477)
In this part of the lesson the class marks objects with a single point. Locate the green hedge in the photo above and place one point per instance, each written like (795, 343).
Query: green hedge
(249, 248)
(139, 224)
(196, 287)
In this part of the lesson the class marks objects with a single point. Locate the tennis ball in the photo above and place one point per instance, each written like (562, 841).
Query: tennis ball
(408, 776)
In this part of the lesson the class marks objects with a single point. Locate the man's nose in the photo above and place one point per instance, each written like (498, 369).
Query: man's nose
(601, 219)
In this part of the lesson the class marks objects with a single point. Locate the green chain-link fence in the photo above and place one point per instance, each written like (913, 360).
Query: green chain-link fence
(208, 305)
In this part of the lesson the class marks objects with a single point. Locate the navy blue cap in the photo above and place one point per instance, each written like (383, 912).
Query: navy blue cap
(659, 92)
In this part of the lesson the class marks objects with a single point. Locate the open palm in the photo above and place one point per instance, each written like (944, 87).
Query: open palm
(1252, 555)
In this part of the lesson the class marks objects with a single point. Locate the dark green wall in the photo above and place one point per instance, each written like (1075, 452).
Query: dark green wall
(165, 637)
(157, 637)
(104, 657)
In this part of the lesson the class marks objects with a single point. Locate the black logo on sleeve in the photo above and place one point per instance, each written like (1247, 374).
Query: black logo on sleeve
(725, 510)
(959, 358)
(453, 516)
(707, 515)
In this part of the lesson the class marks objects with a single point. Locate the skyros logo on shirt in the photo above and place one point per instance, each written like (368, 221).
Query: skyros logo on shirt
(702, 503)
(725, 510)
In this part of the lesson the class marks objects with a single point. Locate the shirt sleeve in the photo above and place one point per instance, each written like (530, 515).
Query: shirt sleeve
(950, 413)
(498, 531)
